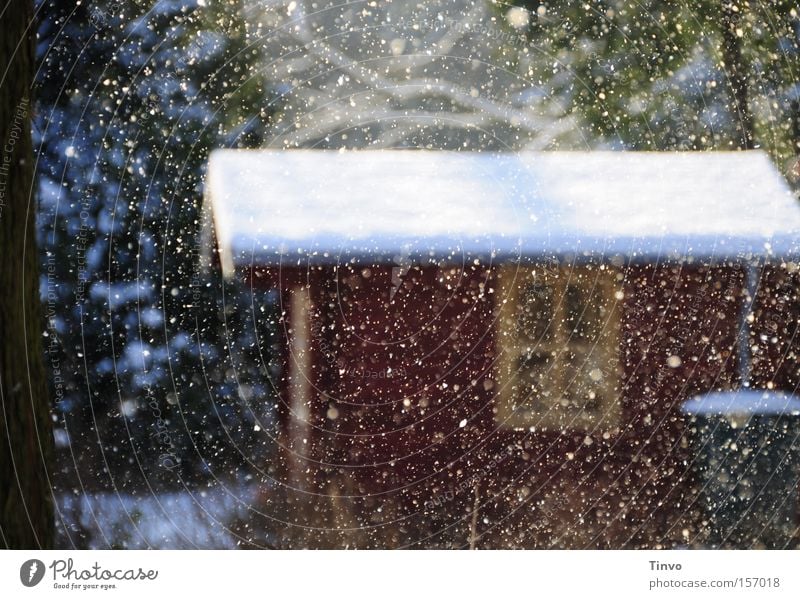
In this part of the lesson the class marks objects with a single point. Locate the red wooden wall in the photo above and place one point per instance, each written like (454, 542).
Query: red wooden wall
(392, 463)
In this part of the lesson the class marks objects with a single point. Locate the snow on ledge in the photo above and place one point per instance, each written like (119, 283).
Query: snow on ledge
(747, 402)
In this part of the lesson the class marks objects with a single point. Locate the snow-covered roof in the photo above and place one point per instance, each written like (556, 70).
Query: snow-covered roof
(272, 207)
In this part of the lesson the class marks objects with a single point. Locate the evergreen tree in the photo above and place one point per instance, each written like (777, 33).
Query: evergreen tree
(132, 98)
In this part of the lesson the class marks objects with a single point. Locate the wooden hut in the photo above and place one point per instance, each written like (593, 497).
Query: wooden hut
(491, 349)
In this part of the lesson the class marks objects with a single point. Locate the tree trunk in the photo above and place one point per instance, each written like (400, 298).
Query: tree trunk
(26, 513)
(736, 71)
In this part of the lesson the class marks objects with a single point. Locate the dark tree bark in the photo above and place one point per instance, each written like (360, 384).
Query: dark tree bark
(736, 71)
(26, 513)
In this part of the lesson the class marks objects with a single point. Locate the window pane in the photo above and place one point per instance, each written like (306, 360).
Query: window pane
(583, 312)
(534, 377)
(561, 336)
(586, 379)
(535, 314)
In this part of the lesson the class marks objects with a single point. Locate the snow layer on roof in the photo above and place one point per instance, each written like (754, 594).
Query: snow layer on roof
(277, 206)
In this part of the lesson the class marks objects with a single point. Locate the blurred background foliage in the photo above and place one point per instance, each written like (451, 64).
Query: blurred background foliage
(651, 75)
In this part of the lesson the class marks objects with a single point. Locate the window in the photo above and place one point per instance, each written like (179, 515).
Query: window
(559, 348)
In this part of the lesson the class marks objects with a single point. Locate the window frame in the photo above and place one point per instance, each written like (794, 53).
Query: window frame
(600, 279)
